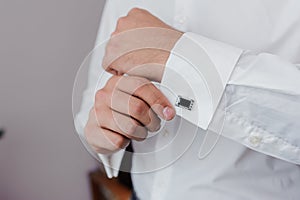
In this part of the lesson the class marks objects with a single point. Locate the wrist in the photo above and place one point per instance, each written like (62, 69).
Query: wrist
(160, 63)
(162, 56)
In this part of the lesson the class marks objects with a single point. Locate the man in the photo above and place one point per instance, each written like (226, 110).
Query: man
(247, 52)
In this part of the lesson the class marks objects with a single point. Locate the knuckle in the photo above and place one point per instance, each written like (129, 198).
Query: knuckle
(135, 10)
(147, 121)
(138, 108)
(158, 98)
(136, 131)
(98, 111)
(155, 127)
(121, 21)
(105, 63)
(113, 34)
(111, 84)
(118, 141)
(99, 98)
(131, 128)
(112, 80)
(157, 101)
(141, 134)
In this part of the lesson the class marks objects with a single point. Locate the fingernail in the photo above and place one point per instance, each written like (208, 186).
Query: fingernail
(168, 113)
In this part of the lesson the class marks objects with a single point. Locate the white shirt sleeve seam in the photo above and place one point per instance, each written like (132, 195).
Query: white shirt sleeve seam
(246, 123)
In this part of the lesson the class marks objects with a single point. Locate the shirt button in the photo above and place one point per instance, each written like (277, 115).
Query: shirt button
(255, 140)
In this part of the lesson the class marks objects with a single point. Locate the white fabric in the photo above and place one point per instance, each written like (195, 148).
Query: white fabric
(262, 101)
(206, 66)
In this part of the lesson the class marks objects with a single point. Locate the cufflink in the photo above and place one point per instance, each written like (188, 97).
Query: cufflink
(186, 103)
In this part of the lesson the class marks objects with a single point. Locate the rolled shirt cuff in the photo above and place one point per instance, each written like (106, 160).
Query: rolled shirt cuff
(198, 70)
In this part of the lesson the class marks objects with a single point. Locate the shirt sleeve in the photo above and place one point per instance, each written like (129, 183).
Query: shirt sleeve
(258, 94)
(108, 23)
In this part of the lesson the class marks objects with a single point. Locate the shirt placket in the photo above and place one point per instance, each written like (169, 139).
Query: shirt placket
(162, 177)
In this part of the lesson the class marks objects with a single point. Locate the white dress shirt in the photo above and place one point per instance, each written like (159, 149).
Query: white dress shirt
(255, 48)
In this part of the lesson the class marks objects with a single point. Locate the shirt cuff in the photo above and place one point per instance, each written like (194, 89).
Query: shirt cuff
(198, 70)
(112, 163)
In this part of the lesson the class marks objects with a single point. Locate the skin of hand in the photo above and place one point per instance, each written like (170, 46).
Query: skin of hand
(126, 108)
(140, 46)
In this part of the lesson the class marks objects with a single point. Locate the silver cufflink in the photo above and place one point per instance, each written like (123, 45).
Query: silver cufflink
(185, 103)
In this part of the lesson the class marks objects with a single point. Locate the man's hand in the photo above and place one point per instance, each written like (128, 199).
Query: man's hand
(140, 46)
(126, 108)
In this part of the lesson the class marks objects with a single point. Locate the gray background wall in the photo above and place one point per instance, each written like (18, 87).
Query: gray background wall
(42, 44)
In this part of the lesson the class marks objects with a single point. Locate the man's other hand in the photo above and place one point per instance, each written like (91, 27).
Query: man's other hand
(140, 46)
(126, 108)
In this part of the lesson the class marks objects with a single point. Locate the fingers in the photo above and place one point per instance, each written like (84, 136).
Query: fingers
(120, 124)
(126, 108)
(102, 140)
(136, 108)
(145, 90)
(127, 105)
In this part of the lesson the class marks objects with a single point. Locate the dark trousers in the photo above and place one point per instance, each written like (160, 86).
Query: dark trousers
(134, 197)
